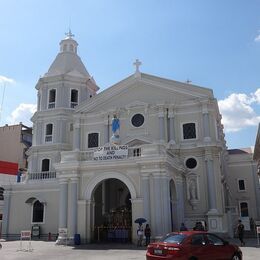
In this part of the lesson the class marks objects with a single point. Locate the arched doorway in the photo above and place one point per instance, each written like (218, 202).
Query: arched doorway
(112, 211)
(173, 206)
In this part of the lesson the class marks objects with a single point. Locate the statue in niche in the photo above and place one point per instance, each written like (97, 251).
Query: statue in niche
(193, 190)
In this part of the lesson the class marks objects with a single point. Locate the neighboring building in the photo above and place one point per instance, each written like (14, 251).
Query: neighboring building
(145, 147)
(8, 172)
(257, 150)
(244, 186)
(16, 140)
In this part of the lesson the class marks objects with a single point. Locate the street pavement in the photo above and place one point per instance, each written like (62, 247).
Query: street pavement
(38, 250)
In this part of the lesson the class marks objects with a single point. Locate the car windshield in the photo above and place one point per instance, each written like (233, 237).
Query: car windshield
(173, 238)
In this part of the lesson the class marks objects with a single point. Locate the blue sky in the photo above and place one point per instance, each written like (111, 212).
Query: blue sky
(215, 44)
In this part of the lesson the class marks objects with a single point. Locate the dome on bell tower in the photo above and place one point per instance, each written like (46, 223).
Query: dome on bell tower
(67, 61)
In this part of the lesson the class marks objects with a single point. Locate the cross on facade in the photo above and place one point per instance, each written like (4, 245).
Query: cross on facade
(137, 64)
(69, 34)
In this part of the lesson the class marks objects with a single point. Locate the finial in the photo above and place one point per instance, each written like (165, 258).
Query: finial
(137, 64)
(69, 34)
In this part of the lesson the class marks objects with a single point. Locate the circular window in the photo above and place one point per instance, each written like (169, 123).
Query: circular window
(137, 120)
(191, 163)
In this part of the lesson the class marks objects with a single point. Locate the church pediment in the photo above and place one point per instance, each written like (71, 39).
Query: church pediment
(139, 92)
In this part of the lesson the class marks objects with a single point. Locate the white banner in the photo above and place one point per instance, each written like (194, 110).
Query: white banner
(117, 152)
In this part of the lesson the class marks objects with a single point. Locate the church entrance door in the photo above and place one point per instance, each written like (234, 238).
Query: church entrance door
(112, 212)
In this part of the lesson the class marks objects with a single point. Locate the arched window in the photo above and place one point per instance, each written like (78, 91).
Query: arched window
(38, 212)
(71, 47)
(45, 165)
(52, 98)
(48, 133)
(1, 193)
(65, 47)
(74, 98)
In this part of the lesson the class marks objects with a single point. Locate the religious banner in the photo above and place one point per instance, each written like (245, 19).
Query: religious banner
(117, 152)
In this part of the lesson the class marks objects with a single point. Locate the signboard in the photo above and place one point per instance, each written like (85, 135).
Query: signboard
(257, 223)
(26, 234)
(117, 152)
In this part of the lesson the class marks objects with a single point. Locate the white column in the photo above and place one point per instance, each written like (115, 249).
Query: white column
(161, 124)
(88, 221)
(106, 129)
(171, 126)
(63, 213)
(145, 193)
(166, 204)
(76, 136)
(6, 213)
(206, 123)
(180, 200)
(211, 183)
(157, 205)
(74, 206)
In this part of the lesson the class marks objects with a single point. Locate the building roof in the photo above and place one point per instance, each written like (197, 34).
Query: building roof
(67, 61)
(248, 150)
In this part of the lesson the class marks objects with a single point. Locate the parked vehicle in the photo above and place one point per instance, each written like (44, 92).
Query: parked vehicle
(192, 245)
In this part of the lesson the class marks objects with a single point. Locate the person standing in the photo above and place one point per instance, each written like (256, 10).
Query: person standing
(140, 234)
(240, 232)
(183, 227)
(147, 233)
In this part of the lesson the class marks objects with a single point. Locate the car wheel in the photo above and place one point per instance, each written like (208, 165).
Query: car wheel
(236, 257)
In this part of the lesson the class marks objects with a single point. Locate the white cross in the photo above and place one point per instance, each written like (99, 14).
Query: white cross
(69, 34)
(137, 64)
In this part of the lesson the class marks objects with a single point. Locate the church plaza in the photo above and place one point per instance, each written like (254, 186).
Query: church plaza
(42, 250)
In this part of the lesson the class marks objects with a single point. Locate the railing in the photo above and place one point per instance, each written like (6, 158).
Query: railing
(48, 138)
(73, 104)
(41, 175)
(51, 105)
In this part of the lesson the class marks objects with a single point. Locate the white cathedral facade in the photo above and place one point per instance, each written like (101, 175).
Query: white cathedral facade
(164, 160)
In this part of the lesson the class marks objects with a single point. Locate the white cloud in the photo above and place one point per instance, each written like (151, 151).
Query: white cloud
(22, 113)
(4, 79)
(238, 112)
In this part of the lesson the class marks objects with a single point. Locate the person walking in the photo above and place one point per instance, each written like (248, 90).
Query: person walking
(147, 233)
(240, 232)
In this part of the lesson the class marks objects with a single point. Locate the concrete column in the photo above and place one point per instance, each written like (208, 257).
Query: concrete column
(166, 204)
(180, 201)
(161, 125)
(6, 213)
(106, 129)
(171, 126)
(63, 213)
(157, 205)
(211, 184)
(74, 206)
(88, 221)
(206, 123)
(145, 193)
(76, 136)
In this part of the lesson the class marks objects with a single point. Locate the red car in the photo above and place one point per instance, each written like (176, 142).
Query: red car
(192, 245)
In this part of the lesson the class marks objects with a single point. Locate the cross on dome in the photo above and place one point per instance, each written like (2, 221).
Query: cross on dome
(69, 34)
(137, 64)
